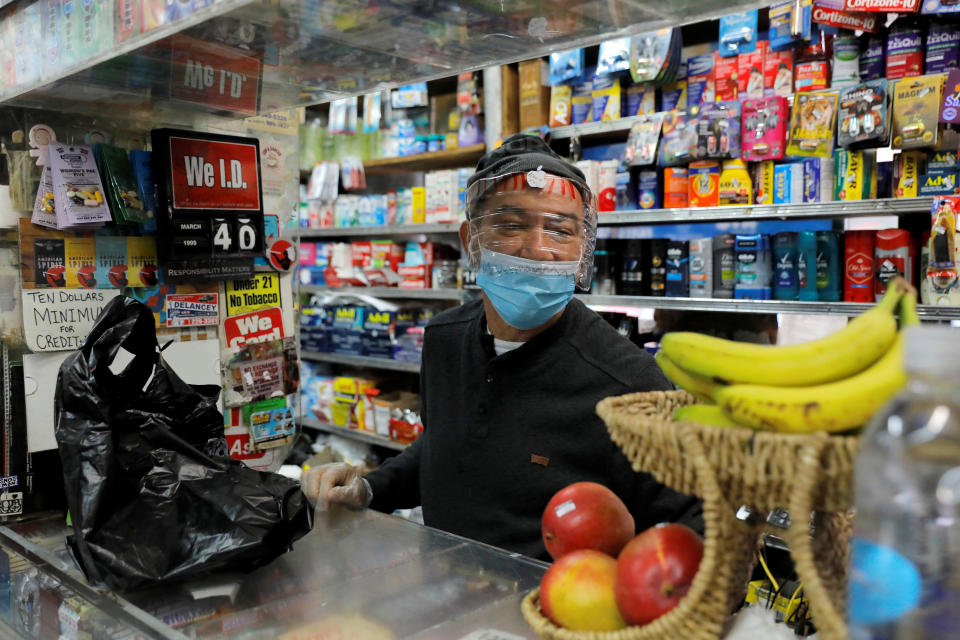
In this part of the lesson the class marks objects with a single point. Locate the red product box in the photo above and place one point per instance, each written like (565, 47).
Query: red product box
(891, 6)
(360, 253)
(778, 73)
(858, 266)
(726, 78)
(750, 72)
(404, 432)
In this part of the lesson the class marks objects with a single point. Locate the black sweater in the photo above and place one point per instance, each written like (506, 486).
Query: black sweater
(502, 434)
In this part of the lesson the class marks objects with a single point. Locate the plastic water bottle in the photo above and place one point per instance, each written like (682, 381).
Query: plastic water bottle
(905, 573)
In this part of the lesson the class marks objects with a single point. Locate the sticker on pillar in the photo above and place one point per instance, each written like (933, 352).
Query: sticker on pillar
(283, 255)
(271, 233)
(261, 292)
(192, 310)
(253, 327)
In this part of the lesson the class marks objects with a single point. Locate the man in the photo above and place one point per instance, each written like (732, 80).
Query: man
(509, 383)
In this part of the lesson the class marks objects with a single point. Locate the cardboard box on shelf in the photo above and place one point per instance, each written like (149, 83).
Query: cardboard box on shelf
(509, 100)
(534, 93)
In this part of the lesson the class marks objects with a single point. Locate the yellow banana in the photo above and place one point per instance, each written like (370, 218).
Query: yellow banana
(839, 355)
(835, 406)
(699, 387)
(708, 414)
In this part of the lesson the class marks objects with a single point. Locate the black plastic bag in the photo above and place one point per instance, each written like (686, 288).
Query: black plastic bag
(153, 496)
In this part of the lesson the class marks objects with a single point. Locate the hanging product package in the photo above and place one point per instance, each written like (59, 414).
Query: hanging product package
(153, 496)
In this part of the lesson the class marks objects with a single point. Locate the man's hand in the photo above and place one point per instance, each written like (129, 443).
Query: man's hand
(336, 483)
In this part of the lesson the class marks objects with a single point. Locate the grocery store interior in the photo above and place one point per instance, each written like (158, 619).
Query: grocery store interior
(479, 319)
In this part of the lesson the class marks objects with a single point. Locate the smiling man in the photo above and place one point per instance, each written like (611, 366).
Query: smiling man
(509, 382)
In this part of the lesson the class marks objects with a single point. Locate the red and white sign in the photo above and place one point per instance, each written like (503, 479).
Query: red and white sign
(893, 6)
(192, 309)
(214, 76)
(254, 327)
(210, 174)
(241, 448)
(854, 21)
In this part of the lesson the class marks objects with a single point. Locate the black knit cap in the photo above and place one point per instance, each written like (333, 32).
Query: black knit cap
(521, 153)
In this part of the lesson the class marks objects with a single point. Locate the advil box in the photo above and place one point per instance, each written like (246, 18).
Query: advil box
(379, 329)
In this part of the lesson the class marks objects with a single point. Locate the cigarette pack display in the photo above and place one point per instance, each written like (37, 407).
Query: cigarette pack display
(678, 269)
(80, 262)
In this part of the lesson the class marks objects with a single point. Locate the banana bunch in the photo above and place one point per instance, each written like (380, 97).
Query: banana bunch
(832, 384)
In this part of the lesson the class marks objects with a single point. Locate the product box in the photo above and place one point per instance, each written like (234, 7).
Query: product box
(80, 258)
(916, 112)
(943, 47)
(678, 142)
(725, 79)
(581, 103)
(641, 99)
(560, 105)
(906, 174)
(812, 123)
(818, 179)
(939, 182)
(941, 160)
(591, 174)
(379, 332)
(763, 182)
(676, 188)
(718, 130)
(701, 268)
(904, 53)
(855, 174)
(788, 183)
(700, 79)
(678, 269)
(606, 98)
(778, 73)
(862, 115)
(674, 96)
(750, 72)
(345, 334)
(534, 93)
(418, 213)
(764, 135)
(704, 181)
(648, 190)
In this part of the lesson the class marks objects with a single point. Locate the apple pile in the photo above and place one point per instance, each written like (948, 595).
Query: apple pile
(603, 578)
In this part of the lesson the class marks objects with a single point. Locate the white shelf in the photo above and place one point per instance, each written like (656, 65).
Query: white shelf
(361, 361)
(352, 434)
(384, 230)
(390, 292)
(928, 312)
(880, 207)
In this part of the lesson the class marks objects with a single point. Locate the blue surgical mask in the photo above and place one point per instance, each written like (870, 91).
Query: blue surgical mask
(526, 293)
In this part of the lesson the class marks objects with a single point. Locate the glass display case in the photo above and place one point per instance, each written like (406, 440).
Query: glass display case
(357, 575)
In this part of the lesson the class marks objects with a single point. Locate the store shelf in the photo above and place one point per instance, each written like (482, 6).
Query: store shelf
(302, 52)
(352, 434)
(927, 312)
(390, 292)
(383, 230)
(880, 207)
(588, 129)
(446, 159)
(361, 361)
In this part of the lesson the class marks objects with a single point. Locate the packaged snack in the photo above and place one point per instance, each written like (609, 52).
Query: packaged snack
(642, 141)
(700, 79)
(648, 54)
(943, 47)
(560, 107)
(862, 115)
(725, 73)
(811, 123)
(582, 103)
(750, 72)
(735, 186)
(679, 140)
(704, 183)
(676, 188)
(818, 179)
(846, 60)
(855, 174)
(764, 133)
(606, 99)
(648, 190)
(905, 49)
(788, 183)
(916, 111)
(763, 182)
(778, 73)
(614, 57)
(873, 49)
(738, 33)
(906, 174)
(718, 130)
(641, 99)
(566, 66)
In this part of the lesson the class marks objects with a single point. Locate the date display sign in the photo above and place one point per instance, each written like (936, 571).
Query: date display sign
(211, 201)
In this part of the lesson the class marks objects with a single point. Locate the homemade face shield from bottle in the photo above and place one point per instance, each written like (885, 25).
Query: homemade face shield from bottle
(531, 240)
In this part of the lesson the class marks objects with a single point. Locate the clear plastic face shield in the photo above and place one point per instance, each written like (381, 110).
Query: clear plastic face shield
(534, 222)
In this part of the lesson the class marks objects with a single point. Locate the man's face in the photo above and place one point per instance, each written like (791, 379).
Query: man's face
(534, 224)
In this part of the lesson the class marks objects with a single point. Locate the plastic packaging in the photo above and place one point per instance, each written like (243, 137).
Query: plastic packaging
(566, 66)
(738, 33)
(905, 547)
(785, 283)
(614, 57)
(724, 266)
(863, 117)
(812, 64)
(764, 135)
(829, 268)
(812, 123)
(146, 468)
(807, 266)
(858, 266)
(942, 275)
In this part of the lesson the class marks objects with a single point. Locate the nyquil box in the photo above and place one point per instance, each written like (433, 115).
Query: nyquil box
(943, 48)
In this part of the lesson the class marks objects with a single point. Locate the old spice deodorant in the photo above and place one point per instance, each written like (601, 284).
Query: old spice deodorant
(858, 266)
(892, 258)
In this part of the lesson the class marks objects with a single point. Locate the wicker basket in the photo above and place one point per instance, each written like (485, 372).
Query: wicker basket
(729, 468)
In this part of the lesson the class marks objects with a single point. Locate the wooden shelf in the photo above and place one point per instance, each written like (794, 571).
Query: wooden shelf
(446, 159)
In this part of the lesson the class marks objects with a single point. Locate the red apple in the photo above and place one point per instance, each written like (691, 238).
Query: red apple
(655, 571)
(576, 592)
(586, 515)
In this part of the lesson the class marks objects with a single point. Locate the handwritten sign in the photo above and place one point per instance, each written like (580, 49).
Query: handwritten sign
(60, 319)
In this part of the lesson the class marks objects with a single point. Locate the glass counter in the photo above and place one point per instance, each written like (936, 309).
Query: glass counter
(358, 575)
